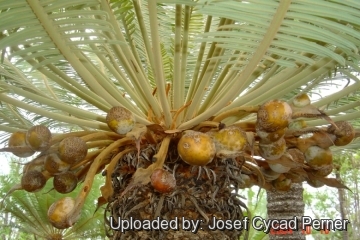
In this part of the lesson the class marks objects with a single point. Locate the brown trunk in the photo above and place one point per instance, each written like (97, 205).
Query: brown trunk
(202, 194)
(355, 208)
(286, 205)
(345, 235)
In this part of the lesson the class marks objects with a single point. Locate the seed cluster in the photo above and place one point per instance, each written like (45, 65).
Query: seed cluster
(150, 171)
(60, 161)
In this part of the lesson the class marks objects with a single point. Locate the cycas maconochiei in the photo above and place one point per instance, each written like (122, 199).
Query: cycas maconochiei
(153, 86)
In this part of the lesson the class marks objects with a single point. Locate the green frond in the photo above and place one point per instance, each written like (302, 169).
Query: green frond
(117, 53)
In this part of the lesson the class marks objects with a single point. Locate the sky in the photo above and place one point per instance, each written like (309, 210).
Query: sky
(4, 165)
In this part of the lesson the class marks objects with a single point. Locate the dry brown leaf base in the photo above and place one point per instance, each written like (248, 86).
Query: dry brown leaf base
(198, 196)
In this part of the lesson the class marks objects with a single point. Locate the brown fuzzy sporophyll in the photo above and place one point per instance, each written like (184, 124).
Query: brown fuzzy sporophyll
(206, 151)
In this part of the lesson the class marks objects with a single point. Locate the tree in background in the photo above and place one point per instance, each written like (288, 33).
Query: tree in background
(143, 91)
(330, 203)
(256, 203)
(286, 205)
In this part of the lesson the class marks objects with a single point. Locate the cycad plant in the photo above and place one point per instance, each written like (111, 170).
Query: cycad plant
(172, 101)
